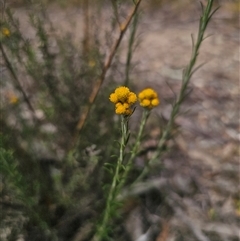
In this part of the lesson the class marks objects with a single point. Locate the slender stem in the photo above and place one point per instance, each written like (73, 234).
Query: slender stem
(135, 149)
(204, 20)
(102, 229)
(17, 82)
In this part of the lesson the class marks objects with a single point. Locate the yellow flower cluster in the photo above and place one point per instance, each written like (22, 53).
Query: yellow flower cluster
(12, 98)
(148, 98)
(123, 98)
(6, 32)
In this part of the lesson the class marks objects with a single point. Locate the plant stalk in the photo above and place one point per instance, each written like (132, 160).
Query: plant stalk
(187, 74)
(135, 148)
(102, 228)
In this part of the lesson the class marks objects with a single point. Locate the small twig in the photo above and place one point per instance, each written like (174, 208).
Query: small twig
(17, 82)
(12, 72)
(101, 78)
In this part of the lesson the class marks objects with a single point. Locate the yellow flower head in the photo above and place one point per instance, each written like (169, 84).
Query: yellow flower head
(123, 98)
(113, 98)
(6, 32)
(122, 109)
(148, 98)
(91, 63)
(12, 98)
(122, 93)
(132, 98)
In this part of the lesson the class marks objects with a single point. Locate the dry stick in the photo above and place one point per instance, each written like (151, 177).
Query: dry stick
(17, 82)
(100, 80)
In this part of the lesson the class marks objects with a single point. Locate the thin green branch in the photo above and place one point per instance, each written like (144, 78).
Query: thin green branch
(187, 74)
(102, 231)
(135, 148)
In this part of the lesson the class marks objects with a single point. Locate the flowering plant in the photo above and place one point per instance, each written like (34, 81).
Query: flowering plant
(49, 195)
(123, 99)
(148, 98)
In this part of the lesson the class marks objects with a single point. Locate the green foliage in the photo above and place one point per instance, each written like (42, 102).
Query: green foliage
(19, 187)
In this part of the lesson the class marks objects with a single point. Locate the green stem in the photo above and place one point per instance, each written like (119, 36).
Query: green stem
(204, 20)
(102, 229)
(135, 148)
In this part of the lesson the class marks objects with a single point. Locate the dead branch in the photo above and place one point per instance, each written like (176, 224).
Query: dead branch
(101, 78)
